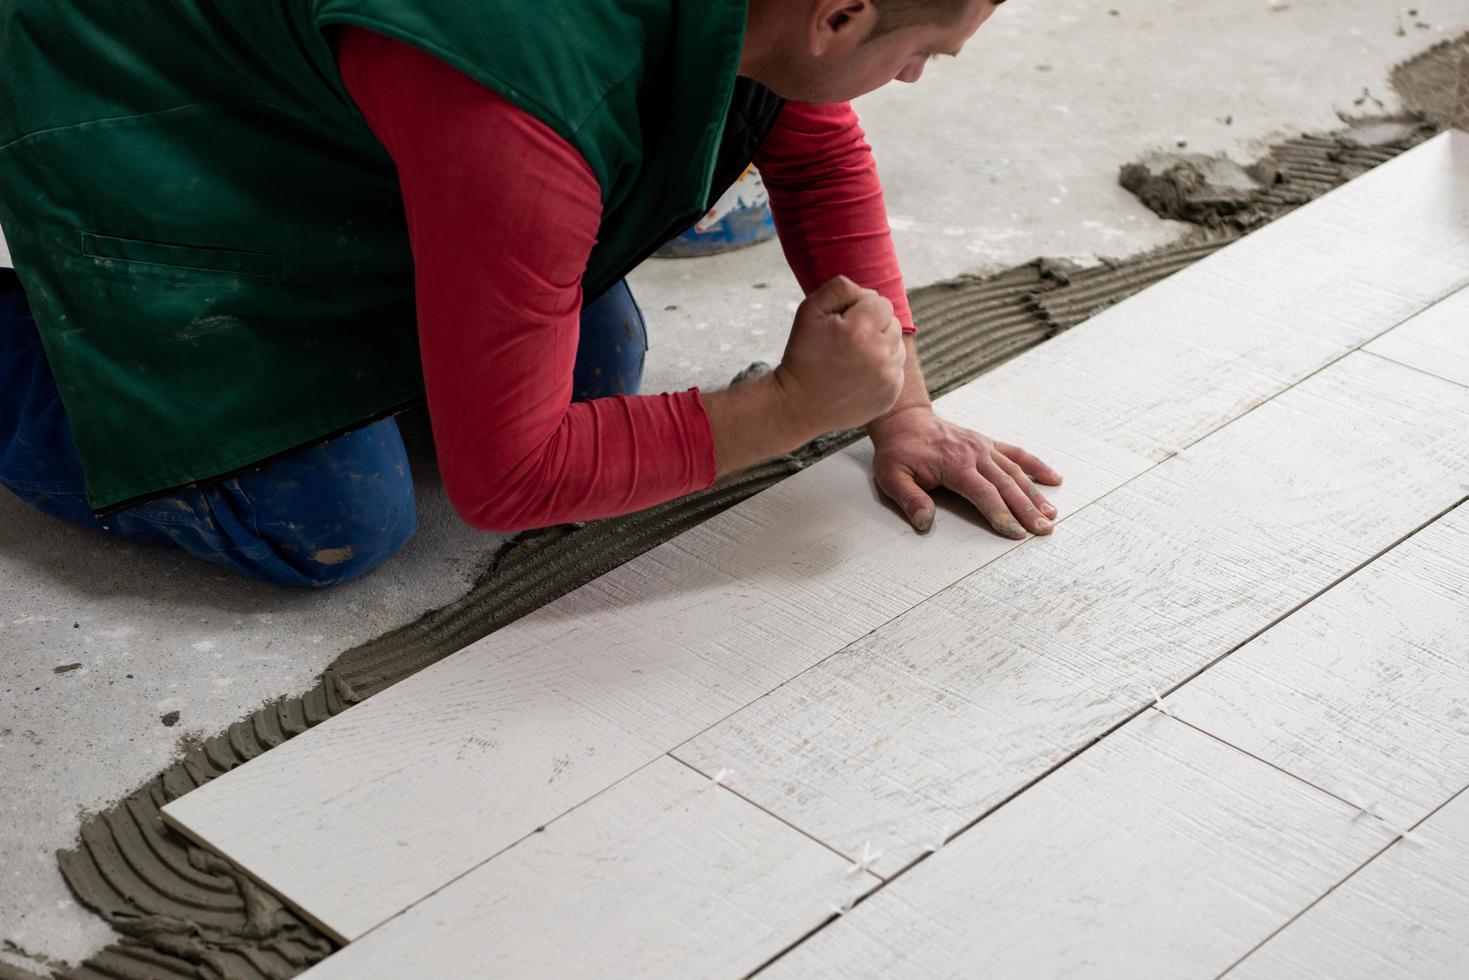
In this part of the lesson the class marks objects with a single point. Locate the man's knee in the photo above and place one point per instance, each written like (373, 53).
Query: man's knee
(334, 559)
(323, 516)
(337, 511)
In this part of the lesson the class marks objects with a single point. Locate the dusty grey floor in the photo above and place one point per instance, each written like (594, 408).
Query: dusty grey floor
(1007, 153)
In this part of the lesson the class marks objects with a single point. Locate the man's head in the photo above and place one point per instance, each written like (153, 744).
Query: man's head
(835, 50)
(893, 14)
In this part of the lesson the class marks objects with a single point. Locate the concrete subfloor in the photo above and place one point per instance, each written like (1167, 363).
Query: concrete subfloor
(1008, 153)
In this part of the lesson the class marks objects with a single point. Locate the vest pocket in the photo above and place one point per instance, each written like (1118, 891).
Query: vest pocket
(228, 261)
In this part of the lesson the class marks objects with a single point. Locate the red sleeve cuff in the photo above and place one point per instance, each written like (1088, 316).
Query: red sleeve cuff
(701, 434)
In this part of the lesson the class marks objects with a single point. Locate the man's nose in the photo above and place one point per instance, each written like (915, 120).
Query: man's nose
(912, 72)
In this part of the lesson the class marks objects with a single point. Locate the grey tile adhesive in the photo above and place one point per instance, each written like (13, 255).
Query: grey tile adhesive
(187, 913)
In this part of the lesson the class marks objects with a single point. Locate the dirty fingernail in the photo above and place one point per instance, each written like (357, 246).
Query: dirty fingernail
(923, 520)
(1014, 530)
(1043, 524)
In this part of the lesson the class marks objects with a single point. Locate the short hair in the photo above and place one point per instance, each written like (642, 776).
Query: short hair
(893, 14)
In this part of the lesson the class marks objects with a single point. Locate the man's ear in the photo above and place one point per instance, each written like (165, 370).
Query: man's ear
(840, 26)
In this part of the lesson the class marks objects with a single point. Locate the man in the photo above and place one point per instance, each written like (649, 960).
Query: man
(248, 234)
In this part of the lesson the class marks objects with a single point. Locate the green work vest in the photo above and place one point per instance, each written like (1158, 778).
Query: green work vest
(213, 242)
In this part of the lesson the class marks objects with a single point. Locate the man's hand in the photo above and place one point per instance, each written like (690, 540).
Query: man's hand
(917, 451)
(843, 363)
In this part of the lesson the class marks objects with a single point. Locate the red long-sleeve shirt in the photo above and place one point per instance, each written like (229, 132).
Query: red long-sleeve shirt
(502, 214)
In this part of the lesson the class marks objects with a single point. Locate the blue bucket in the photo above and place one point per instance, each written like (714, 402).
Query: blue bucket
(738, 219)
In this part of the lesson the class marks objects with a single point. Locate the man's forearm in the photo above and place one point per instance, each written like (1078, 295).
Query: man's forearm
(752, 422)
(915, 390)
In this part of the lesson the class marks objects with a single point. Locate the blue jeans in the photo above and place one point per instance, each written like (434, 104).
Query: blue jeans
(320, 516)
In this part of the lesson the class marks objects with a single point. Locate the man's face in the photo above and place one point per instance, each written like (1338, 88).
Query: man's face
(828, 56)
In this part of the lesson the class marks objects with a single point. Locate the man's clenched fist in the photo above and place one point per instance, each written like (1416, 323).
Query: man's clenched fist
(843, 363)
